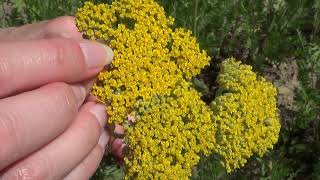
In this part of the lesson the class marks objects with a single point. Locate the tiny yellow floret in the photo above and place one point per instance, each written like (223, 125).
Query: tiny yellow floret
(245, 113)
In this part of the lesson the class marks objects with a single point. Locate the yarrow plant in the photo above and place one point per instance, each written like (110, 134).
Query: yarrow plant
(245, 113)
(149, 92)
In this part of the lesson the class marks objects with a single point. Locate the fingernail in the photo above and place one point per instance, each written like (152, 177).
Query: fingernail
(99, 111)
(96, 54)
(80, 93)
(103, 140)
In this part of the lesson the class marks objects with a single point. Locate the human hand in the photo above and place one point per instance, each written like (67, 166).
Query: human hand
(48, 128)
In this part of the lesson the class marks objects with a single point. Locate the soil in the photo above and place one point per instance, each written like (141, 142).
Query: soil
(284, 76)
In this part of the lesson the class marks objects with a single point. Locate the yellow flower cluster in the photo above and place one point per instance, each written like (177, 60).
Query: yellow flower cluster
(169, 134)
(148, 82)
(245, 113)
(149, 56)
(148, 88)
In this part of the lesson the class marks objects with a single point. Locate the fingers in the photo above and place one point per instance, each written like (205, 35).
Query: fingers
(30, 120)
(117, 146)
(116, 142)
(28, 65)
(58, 158)
(59, 27)
(91, 163)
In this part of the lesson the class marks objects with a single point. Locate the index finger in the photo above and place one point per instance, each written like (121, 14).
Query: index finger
(60, 27)
(30, 64)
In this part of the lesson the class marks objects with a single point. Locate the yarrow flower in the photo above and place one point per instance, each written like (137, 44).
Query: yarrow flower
(171, 132)
(149, 92)
(245, 113)
(149, 57)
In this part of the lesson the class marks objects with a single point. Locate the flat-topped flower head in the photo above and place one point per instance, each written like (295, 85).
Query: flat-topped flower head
(149, 56)
(148, 90)
(245, 113)
(171, 132)
(148, 83)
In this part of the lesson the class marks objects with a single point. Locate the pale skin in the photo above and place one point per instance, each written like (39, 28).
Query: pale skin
(49, 127)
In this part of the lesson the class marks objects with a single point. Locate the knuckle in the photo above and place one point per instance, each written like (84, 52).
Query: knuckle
(67, 53)
(60, 48)
(27, 172)
(23, 174)
(56, 46)
(65, 50)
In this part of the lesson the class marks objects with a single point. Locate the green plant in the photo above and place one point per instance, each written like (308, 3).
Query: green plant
(20, 12)
(308, 94)
(256, 31)
(109, 170)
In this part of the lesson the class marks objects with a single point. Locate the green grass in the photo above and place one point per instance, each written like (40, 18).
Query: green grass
(260, 33)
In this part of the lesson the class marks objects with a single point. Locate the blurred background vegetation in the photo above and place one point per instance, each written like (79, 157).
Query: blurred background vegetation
(279, 38)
